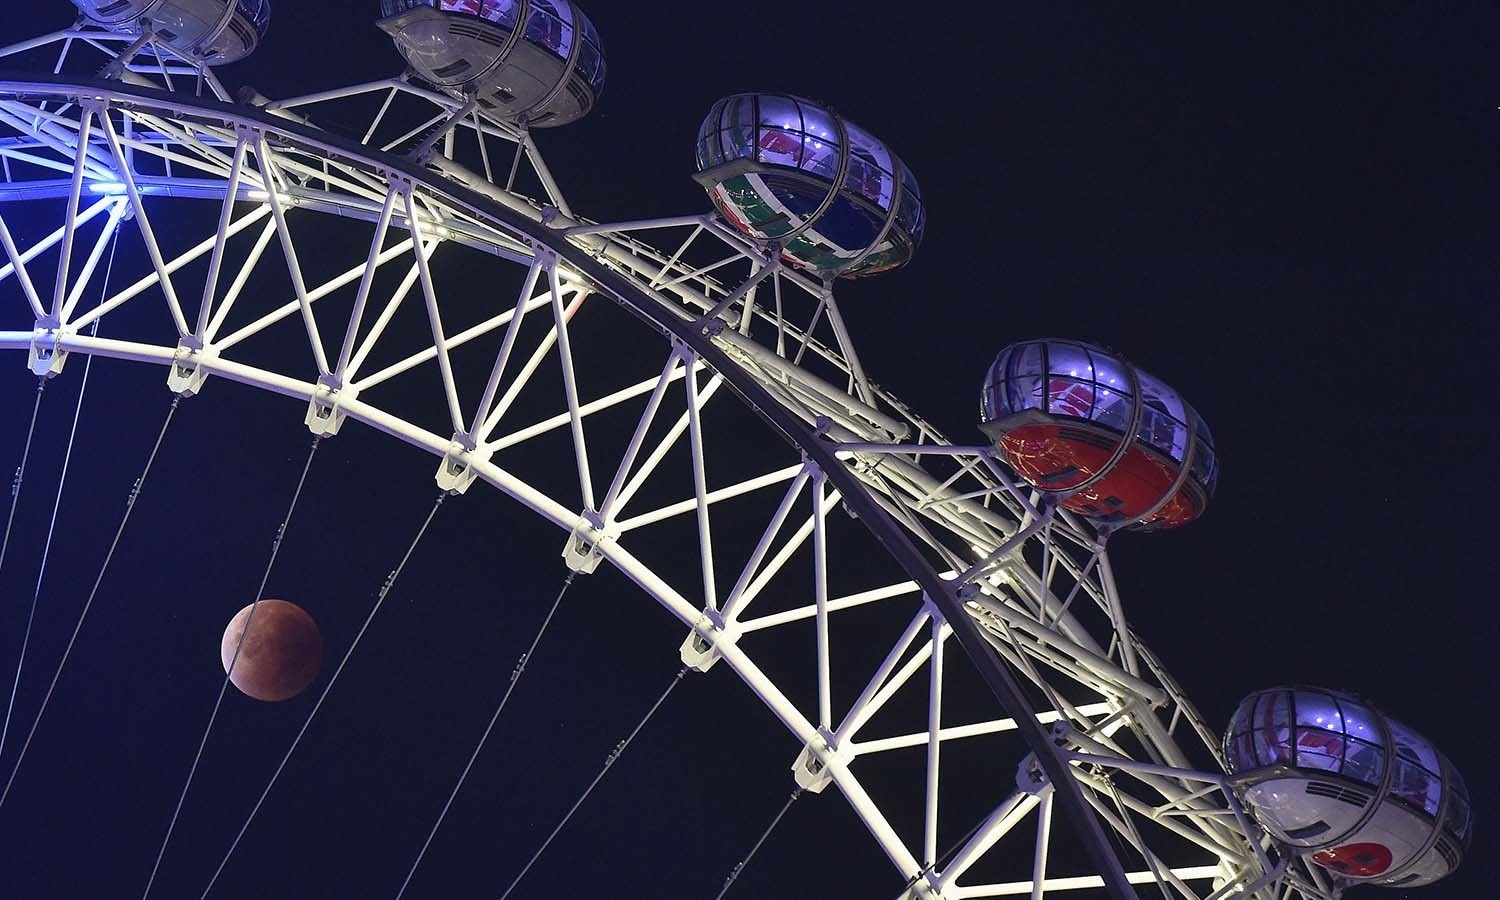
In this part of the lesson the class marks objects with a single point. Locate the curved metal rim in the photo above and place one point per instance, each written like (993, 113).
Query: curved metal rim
(620, 290)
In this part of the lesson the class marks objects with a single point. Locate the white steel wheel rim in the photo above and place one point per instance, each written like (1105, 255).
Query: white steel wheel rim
(896, 482)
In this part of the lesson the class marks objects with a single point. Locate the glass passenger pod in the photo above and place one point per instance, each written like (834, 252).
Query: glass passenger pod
(213, 32)
(1363, 795)
(1059, 412)
(537, 62)
(783, 169)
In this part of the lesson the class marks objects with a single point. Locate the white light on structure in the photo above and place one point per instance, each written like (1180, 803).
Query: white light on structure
(1085, 882)
(106, 187)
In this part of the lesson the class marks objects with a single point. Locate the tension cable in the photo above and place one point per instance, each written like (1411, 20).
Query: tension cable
(135, 494)
(740, 866)
(36, 594)
(610, 760)
(515, 676)
(385, 589)
(62, 481)
(1135, 836)
(15, 500)
(224, 685)
(15, 485)
(943, 860)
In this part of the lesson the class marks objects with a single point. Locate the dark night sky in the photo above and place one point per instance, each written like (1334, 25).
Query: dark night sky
(1290, 215)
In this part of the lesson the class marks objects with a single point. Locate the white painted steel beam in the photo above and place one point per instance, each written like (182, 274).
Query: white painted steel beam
(434, 213)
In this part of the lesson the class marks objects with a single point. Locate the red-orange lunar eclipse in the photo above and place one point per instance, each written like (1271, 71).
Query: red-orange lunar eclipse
(281, 655)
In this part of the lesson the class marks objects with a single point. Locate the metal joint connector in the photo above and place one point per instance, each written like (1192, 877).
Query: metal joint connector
(457, 470)
(325, 412)
(704, 643)
(186, 375)
(814, 767)
(45, 356)
(581, 553)
(1031, 778)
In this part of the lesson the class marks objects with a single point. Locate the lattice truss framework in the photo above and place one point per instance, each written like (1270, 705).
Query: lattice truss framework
(425, 189)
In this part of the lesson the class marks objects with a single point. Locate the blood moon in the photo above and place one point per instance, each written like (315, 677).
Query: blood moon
(280, 656)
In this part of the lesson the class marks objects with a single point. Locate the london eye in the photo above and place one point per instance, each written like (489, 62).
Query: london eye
(559, 524)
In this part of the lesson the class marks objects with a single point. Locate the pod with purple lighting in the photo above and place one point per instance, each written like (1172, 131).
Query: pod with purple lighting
(1333, 779)
(794, 175)
(536, 63)
(1113, 443)
(213, 32)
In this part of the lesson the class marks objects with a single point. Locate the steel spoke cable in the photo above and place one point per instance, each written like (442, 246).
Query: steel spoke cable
(610, 760)
(10, 520)
(36, 594)
(62, 481)
(15, 486)
(957, 845)
(945, 858)
(229, 671)
(1139, 842)
(385, 589)
(740, 866)
(515, 676)
(135, 494)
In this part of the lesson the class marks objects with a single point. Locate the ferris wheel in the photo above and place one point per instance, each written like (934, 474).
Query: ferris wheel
(681, 399)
